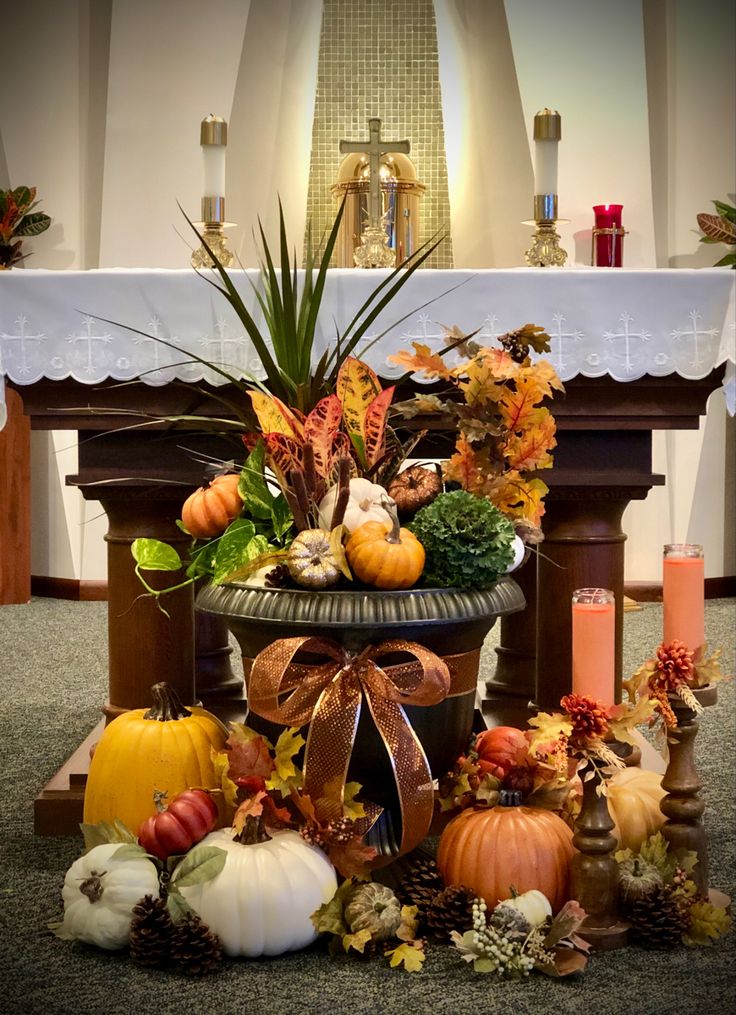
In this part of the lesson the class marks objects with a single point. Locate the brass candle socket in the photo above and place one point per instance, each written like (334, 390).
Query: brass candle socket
(545, 251)
(616, 233)
(213, 233)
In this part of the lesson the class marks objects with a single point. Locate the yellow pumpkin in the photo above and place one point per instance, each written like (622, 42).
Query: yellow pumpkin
(385, 555)
(165, 748)
(498, 850)
(208, 511)
(634, 795)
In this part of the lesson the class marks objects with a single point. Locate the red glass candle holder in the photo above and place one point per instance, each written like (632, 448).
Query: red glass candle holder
(608, 236)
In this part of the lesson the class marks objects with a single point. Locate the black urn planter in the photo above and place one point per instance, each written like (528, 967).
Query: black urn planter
(446, 621)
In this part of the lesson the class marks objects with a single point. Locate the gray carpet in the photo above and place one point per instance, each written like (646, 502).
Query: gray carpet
(52, 674)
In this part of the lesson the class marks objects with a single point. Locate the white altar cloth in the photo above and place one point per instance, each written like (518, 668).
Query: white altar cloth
(617, 322)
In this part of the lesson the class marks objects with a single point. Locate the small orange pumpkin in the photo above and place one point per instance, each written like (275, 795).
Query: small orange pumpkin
(491, 849)
(384, 554)
(208, 511)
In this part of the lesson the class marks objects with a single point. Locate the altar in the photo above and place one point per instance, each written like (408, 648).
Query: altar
(637, 350)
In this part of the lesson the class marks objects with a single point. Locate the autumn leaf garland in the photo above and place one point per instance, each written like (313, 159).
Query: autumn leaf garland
(495, 397)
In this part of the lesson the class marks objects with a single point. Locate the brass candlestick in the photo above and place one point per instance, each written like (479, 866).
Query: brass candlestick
(594, 872)
(545, 250)
(213, 233)
(617, 234)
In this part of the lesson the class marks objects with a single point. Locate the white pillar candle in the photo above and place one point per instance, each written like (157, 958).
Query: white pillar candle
(547, 134)
(213, 138)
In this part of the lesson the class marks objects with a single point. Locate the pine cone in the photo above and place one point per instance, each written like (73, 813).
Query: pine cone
(674, 666)
(420, 885)
(657, 921)
(151, 932)
(195, 950)
(589, 717)
(278, 577)
(451, 909)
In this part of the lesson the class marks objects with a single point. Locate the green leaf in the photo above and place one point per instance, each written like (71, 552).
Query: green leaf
(329, 919)
(104, 831)
(129, 851)
(726, 260)
(203, 561)
(33, 224)
(281, 517)
(153, 555)
(726, 211)
(238, 547)
(253, 487)
(200, 864)
(177, 905)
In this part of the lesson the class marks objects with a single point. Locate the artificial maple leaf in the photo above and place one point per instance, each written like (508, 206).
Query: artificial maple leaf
(496, 361)
(286, 776)
(519, 498)
(547, 729)
(422, 360)
(470, 467)
(410, 954)
(352, 858)
(531, 449)
(420, 405)
(261, 804)
(544, 376)
(707, 668)
(249, 753)
(338, 801)
(481, 384)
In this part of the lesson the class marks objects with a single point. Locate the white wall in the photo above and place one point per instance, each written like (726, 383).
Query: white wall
(108, 130)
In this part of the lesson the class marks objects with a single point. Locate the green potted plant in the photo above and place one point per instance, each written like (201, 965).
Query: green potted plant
(18, 220)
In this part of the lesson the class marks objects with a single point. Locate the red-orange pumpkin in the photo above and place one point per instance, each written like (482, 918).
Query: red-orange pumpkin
(502, 748)
(208, 511)
(494, 848)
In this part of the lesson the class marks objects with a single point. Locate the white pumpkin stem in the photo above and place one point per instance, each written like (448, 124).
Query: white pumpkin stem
(92, 886)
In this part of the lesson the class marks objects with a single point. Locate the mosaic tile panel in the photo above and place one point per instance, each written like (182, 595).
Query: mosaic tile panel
(379, 58)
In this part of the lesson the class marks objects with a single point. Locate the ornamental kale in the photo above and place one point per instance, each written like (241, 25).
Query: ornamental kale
(467, 540)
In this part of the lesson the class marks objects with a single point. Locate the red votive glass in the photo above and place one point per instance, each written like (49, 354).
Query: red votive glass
(608, 236)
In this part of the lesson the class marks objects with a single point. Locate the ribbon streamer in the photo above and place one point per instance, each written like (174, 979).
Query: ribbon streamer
(330, 695)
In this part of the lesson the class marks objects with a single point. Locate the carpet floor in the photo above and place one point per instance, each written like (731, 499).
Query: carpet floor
(53, 665)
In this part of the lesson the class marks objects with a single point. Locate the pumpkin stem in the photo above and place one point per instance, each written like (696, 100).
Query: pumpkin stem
(509, 798)
(159, 800)
(252, 832)
(92, 886)
(389, 506)
(167, 704)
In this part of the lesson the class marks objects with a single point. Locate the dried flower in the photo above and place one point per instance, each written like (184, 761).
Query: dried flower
(589, 717)
(674, 667)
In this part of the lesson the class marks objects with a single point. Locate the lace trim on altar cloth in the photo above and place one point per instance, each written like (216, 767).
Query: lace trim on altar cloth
(643, 327)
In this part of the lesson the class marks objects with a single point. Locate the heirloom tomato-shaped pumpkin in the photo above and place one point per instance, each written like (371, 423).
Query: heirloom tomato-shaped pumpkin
(634, 795)
(165, 749)
(502, 748)
(496, 851)
(385, 555)
(99, 894)
(364, 505)
(181, 824)
(208, 511)
(262, 900)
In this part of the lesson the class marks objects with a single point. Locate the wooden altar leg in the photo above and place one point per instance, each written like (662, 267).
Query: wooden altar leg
(214, 679)
(516, 653)
(15, 517)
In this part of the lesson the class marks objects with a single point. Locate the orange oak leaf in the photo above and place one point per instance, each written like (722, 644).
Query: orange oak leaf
(248, 754)
(352, 858)
(520, 498)
(469, 467)
(520, 408)
(422, 360)
(481, 383)
(545, 377)
(531, 449)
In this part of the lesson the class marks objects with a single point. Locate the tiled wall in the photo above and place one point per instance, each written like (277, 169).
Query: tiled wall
(379, 58)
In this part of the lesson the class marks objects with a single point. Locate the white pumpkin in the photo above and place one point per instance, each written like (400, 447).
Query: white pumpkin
(262, 900)
(99, 894)
(533, 905)
(519, 549)
(634, 796)
(364, 505)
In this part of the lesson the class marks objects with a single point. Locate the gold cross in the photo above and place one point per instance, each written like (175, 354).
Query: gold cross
(374, 148)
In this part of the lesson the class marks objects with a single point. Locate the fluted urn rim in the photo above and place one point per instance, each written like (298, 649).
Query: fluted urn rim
(352, 608)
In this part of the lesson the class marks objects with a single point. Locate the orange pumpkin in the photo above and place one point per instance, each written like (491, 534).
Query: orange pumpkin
(491, 849)
(208, 511)
(384, 554)
(502, 748)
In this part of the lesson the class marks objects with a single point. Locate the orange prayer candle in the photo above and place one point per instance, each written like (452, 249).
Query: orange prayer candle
(594, 644)
(683, 594)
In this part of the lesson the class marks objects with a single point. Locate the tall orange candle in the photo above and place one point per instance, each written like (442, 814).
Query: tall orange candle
(683, 594)
(594, 644)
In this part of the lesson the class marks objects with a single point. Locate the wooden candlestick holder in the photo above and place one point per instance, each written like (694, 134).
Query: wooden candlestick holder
(682, 805)
(594, 872)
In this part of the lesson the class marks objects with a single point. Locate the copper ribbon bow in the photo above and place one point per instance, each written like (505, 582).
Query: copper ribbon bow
(329, 696)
